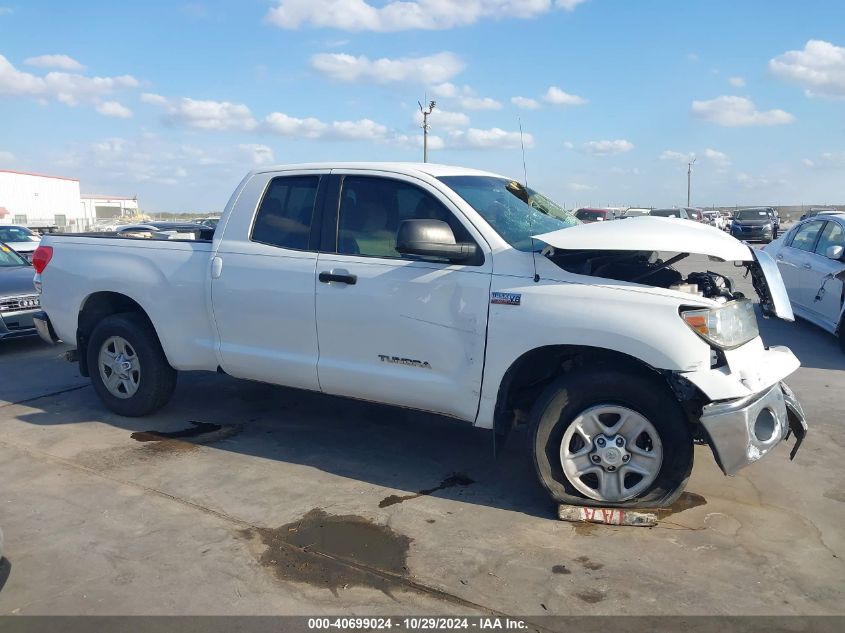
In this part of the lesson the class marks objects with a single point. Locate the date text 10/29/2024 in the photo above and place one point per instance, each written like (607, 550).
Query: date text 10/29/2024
(417, 623)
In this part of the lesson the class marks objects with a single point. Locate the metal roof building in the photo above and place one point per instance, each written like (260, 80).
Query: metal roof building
(37, 200)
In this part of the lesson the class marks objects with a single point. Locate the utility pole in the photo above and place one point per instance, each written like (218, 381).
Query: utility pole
(426, 127)
(689, 179)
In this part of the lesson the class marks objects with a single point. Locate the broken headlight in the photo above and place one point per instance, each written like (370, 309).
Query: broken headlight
(727, 326)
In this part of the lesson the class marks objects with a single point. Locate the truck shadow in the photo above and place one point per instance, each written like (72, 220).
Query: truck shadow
(413, 452)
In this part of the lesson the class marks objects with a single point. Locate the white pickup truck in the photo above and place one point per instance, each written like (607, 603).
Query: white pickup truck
(453, 291)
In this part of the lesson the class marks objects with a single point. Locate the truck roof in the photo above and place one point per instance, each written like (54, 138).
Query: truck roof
(431, 169)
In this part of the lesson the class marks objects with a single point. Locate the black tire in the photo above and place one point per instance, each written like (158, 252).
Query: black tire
(157, 379)
(568, 396)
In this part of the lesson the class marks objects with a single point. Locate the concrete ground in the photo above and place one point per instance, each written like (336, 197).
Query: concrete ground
(259, 491)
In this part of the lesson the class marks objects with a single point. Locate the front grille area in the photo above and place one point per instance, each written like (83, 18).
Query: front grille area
(18, 304)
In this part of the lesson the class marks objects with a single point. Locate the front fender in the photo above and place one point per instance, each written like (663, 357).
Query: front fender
(639, 324)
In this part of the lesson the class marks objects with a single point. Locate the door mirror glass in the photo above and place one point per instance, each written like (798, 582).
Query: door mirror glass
(432, 239)
(834, 252)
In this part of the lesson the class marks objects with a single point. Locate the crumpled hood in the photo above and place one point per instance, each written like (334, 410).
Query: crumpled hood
(650, 234)
(675, 235)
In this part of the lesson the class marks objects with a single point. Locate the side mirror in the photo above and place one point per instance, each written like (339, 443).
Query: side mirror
(431, 239)
(834, 252)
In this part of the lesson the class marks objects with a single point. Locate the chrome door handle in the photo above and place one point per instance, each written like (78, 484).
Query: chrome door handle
(808, 267)
(780, 256)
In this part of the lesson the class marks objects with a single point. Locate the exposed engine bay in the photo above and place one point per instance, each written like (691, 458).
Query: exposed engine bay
(644, 267)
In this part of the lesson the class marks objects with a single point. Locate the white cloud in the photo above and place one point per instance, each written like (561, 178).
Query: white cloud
(480, 103)
(692, 57)
(6, 158)
(569, 145)
(445, 90)
(210, 115)
(114, 109)
(361, 130)
(827, 160)
(68, 88)
(676, 156)
(525, 103)
(577, 186)
(60, 62)
(282, 124)
(257, 154)
(494, 138)
(434, 142)
(556, 96)
(819, 68)
(737, 82)
(313, 128)
(719, 158)
(606, 148)
(443, 119)
(729, 111)
(6, 11)
(149, 97)
(758, 182)
(403, 15)
(436, 68)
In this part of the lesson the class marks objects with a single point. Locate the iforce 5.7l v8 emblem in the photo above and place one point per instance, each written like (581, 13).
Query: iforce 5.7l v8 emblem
(506, 298)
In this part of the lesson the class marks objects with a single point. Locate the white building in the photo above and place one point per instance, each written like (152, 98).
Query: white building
(37, 200)
(99, 208)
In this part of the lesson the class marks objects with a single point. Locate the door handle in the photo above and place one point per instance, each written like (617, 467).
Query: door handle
(216, 267)
(780, 256)
(344, 278)
(808, 267)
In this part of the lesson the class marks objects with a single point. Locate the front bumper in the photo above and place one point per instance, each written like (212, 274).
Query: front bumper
(17, 324)
(741, 431)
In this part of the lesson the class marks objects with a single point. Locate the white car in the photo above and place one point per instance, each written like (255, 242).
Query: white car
(20, 239)
(811, 258)
(453, 291)
(714, 218)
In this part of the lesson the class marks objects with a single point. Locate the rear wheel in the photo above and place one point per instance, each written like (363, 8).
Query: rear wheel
(129, 370)
(609, 437)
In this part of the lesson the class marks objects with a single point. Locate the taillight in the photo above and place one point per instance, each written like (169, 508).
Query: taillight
(41, 257)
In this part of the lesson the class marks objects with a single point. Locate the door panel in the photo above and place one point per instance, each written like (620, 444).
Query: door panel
(394, 329)
(404, 333)
(794, 263)
(825, 277)
(263, 297)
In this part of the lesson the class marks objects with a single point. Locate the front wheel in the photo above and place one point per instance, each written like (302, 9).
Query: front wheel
(610, 437)
(129, 370)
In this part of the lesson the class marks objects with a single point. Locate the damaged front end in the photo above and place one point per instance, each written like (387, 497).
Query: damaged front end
(740, 404)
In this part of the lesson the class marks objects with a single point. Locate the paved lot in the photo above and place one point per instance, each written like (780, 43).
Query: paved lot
(101, 517)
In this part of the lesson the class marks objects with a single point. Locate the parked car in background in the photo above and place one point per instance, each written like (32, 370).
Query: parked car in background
(811, 258)
(588, 215)
(18, 300)
(422, 286)
(714, 218)
(695, 214)
(20, 239)
(753, 224)
(635, 212)
(814, 211)
(209, 222)
(671, 213)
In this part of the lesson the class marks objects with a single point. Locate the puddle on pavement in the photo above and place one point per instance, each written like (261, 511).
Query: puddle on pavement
(456, 479)
(561, 569)
(335, 552)
(197, 433)
(592, 596)
(686, 501)
(586, 563)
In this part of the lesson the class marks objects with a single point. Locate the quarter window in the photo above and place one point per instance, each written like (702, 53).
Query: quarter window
(805, 236)
(833, 235)
(371, 210)
(284, 217)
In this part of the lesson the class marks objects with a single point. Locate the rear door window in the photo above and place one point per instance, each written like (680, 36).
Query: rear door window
(286, 212)
(805, 236)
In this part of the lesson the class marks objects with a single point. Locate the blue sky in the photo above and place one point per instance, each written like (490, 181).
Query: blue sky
(175, 101)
